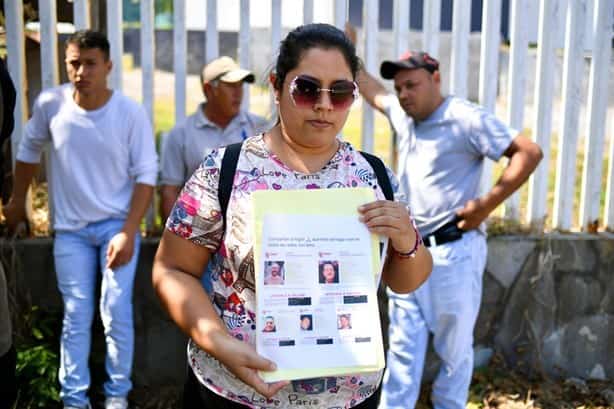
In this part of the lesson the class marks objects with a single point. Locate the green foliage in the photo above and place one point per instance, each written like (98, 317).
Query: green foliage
(37, 359)
(164, 6)
(163, 13)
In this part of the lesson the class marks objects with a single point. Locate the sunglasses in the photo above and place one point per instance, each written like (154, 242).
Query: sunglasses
(305, 92)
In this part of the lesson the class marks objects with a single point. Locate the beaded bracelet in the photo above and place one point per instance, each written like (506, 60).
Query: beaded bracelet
(412, 252)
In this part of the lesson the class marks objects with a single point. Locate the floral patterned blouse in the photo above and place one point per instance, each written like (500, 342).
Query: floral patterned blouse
(231, 282)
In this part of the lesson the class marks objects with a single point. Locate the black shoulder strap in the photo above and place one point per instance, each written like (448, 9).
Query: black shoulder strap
(227, 175)
(229, 167)
(380, 172)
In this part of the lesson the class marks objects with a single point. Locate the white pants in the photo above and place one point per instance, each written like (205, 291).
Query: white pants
(446, 305)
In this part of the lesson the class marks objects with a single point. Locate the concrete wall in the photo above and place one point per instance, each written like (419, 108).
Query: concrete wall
(548, 305)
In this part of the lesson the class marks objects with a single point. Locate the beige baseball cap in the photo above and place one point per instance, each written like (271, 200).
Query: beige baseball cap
(227, 70)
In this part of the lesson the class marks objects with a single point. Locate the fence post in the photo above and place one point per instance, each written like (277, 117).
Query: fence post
(212, 43)
(148, 65)
(179, 58)
(460, 47)
(49, 44)
(307, 11)
(370, 21)
(542, 120)
(81, 10)
(489, 72)
(340, 13)
(275, 40)
(517, 85)
(568, 140)
(115, 35)
(275, 27)
(597, 108)
(243, 52)
(49, 65)
(148, 56)
(401, 27)
(401, 44)
(431, 20)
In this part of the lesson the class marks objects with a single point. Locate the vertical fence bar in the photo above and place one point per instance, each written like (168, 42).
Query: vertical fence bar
(401, 27)
(212, 43)
(148, 65)
(461, 20)
(431, 20)
(275, 28)
(115, 35)
(489, 71)
(243, 51)
(609, 192)
(568, 140)
(49, 62)
(275, 38)
(307, 11)
(16, 63)
(370, 29)
(597, 108)
(148, 56)
(180, 51)
(81, 10)
(549, 16)
(49, 44)
(340, 13)
(517, 85)
(401, 44)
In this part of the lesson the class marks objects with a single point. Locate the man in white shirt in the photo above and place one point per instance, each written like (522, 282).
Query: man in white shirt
(103, 168)
(443, 142)
(218, 122)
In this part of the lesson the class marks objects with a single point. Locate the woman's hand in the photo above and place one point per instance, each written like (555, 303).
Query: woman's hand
(390, 219)
(244, 362)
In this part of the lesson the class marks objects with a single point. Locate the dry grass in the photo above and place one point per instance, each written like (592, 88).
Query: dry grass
(500, 387)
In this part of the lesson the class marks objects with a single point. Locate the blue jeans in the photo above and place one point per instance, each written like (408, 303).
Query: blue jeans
(447, 306)
(79, 257)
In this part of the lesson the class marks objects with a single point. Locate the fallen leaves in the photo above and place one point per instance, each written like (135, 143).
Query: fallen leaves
(500, 387)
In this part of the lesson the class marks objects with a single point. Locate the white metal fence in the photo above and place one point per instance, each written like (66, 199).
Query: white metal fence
(550, 12)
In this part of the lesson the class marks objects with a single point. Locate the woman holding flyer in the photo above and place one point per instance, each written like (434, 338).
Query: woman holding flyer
(314, 88)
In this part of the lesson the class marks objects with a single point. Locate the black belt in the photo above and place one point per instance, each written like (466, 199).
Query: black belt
(445, 234)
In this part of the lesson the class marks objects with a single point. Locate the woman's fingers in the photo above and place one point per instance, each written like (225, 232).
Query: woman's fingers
(260, 363)
(383, 211)
(268, 390)
(389, 219)
(249, 375)
(245, 363)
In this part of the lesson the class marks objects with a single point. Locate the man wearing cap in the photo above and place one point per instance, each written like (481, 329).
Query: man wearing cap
(219, 121)
(442, 145)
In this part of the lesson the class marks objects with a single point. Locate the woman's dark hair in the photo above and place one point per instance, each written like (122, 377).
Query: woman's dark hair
(310, 36)
(88, 39)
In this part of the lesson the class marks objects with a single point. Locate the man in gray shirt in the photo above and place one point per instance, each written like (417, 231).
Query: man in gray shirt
(442, 145)
(218, 122)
